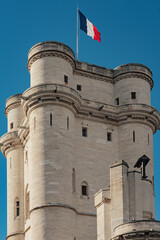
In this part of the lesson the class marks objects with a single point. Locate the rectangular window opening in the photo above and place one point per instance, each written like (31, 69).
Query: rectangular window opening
(51, 119)
(109, 136)
(117, 101)
(84, 132)
(66, 79)
(67, 122)
(133, 95)
(134, 136)
(11, 125)
(79, 87)
(17, 209)
(84, 190)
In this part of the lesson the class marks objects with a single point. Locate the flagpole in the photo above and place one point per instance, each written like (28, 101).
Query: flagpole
(77, 32)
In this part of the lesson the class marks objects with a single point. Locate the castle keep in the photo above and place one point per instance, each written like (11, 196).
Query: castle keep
(79, 151)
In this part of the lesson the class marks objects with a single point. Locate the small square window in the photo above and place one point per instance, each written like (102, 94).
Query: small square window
(109, 136)
(84, 132)
(11, 125)
(66, 79)
(117, 101)
(133, 95)
(79, 87)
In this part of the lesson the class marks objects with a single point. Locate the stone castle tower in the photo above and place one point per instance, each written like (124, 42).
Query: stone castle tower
(80, 128)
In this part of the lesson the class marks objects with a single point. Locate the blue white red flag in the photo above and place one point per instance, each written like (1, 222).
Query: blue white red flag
(88, 27)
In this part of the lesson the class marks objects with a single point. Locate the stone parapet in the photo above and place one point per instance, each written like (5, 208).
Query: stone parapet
(9, 141)
(145, 229)
(13, 102)
(49, 48)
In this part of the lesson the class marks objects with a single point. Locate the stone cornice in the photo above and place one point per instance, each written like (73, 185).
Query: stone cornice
(139, 235)
(93, 76)
(134, 75)
(9, 141)
(62, 205)
(14, 235)
(69, 98)
(50, 53)
(141, 229)
(13, 102)
(114, 80)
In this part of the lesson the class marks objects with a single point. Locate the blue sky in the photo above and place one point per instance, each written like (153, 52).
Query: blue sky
(130, 32)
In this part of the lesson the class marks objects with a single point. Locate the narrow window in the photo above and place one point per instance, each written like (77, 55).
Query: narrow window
(10, 163)
(79, 88)
(148, 138)
(153, 185)
(117, 101)
(66, 79)
(134, 136)
(27, 201)
(26, 157)
(133, 95)
(84, 132)
(109, 136)
(73, 181)
(34, 123)
(50, 119)
(17, 207)
(11, 125)
(84, 189)
(67, 122)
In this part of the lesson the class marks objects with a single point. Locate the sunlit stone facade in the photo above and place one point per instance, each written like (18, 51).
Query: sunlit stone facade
(79, 128)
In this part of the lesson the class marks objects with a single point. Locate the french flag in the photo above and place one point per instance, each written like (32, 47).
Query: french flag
(88, 27)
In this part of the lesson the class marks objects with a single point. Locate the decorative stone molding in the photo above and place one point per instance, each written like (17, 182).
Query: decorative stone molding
(13, 102)
(93, 76)
(50, 53)
(61, 205)
(135, 75)
(15, 234)
(144, 229)
(9, 141)
(69, 98)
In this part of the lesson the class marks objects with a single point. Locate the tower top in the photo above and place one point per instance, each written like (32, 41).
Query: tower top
(47, 48)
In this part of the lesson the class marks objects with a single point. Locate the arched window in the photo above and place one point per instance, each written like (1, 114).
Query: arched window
(16, 207)
(73, 181)
(84, 189)
(27, 201)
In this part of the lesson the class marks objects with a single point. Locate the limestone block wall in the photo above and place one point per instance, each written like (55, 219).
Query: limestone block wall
(15, 191)
(135, 140)
(51, 157)
(72, 127)
(93, 90)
